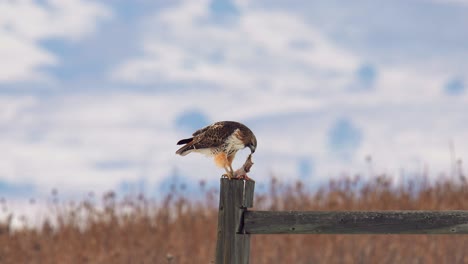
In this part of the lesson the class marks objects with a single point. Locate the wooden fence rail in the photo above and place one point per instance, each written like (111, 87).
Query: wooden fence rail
(236, 223)
(356, 222)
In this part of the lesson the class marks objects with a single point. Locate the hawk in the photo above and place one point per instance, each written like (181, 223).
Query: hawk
(220, 140)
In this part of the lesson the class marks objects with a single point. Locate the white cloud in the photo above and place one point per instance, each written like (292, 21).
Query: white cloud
(457, 2)
(24, 23)
(61, 141)
(257, 49)
(20, 59)
(268, 53)
(283, 76)
(74, 142)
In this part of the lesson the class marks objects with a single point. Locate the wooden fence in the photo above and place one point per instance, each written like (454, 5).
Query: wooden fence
(236, 223)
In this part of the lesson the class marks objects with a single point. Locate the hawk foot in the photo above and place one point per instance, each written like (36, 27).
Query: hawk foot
(240, 177)
(226, 175)
(244, 177)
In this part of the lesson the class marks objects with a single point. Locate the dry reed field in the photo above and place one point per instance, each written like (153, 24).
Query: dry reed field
(179, 230)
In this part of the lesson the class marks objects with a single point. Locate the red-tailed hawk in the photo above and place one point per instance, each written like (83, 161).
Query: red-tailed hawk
(221, 140)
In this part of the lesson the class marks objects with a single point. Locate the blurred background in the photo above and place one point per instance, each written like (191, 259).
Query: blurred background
(94, 96)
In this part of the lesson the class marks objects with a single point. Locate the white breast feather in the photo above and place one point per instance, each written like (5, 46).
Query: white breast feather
(233, 142)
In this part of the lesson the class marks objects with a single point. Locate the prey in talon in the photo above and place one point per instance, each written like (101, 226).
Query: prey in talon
(241, 173)
(221, 140)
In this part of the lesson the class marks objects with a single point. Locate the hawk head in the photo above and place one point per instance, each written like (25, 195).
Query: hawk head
(252, 143)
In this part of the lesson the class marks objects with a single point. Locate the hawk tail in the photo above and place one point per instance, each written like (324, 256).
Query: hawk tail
(185, 149)
(184, 141)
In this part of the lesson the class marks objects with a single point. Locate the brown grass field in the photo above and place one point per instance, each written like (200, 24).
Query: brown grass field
(178, 230)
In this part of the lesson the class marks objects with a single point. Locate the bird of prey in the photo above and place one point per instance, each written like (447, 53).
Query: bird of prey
(222, 140)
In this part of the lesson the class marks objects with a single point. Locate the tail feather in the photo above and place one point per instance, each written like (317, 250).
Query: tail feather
(184, 141)
(185, 150)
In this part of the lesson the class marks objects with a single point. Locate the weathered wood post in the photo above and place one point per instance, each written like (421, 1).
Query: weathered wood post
(235, 197)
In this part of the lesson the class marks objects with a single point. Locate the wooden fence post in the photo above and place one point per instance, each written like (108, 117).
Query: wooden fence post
(235, 197)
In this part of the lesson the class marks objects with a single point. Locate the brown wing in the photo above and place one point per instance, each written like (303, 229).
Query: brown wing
(214, 135)
(199, 131)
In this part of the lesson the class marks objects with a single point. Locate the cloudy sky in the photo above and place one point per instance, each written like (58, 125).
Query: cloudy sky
(95, 94)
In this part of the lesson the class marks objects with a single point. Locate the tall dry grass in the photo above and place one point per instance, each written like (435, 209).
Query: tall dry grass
(180, 230)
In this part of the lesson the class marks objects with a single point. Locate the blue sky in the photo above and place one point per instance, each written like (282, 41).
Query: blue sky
(95, 94)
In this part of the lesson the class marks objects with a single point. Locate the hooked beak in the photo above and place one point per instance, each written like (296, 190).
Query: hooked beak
(252, 148)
